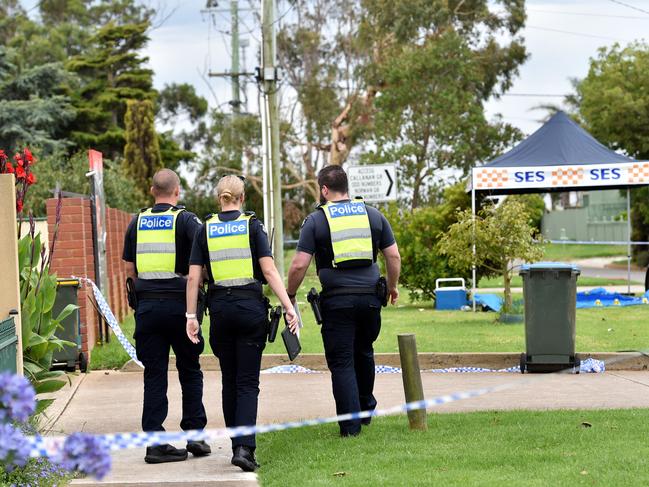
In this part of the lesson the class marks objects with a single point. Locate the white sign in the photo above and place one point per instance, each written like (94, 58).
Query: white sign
(568, 176)
(375, 183)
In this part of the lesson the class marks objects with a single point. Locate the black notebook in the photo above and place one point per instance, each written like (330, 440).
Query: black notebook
(292, 343)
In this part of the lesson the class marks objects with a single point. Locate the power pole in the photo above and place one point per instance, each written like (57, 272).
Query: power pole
(234, 20)
(269, 79)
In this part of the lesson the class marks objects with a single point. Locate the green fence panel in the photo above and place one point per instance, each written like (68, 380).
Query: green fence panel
(8, 345)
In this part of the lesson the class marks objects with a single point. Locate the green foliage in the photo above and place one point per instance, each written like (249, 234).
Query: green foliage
(535, 207)
(501, 235)
(39, 326)
(70, 174)
(418, 234)
(435, 70)
(141, 152)
(38, 472)
(613, 102)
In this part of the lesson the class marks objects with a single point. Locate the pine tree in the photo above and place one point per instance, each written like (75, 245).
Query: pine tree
(142, 151)
(112, 72)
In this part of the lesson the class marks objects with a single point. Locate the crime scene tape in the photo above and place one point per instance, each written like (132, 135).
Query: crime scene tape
(111, 320)
(47, 446)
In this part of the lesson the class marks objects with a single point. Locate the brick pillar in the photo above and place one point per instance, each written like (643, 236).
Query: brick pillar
(73, 256)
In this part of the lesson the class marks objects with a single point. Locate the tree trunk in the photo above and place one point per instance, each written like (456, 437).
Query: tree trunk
(507, 279)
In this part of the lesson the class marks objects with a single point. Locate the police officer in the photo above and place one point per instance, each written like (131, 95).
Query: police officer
(157, 246)
(345, 236)
(233, 247)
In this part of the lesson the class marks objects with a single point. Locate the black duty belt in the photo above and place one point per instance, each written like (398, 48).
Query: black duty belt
(340, 291)
(174, 295)
(215, 293)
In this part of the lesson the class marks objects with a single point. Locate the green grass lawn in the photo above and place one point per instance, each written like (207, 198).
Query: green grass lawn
(568, 252)
(487, 449)
(598, 329)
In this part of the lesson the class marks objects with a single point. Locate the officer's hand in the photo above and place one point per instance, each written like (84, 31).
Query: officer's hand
(394, 295)
(291, 320)
(192, 330)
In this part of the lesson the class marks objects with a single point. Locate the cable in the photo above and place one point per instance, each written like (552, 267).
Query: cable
(292, 5)
(587, 14)
(632, 7)
(581, 34)
(543, 95)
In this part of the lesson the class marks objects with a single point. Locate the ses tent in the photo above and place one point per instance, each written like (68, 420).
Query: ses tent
(559, 156)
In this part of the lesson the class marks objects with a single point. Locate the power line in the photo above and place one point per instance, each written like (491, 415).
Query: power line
(633, 7)
(587, 14)
(580, 34)
(541, 95)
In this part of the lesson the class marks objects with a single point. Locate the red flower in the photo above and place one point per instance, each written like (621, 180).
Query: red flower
(31, 179)
(9, 168)
(19, 206)
(28, 155)
(20, 172)
(19, 160)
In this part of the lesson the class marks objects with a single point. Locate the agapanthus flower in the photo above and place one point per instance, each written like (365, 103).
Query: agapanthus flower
(17, 398)
(14, 449)
(87, 454)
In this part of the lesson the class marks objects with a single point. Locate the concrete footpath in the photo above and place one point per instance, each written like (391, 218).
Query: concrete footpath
(103, 402)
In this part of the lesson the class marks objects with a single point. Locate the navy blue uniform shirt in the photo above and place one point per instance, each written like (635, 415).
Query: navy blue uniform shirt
(315, 238)
(186, 226)
(259, 247)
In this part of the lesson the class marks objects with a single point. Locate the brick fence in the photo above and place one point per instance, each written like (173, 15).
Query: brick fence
(73, 256)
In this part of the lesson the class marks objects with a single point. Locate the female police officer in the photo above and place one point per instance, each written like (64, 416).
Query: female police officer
(233, 247)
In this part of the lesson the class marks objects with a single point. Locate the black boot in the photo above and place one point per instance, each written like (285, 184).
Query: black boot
(198, 448)
(164, 454)
(244, 458)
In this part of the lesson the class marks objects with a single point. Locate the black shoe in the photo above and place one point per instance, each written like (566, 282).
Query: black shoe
(164, 454)
(198, 448)
(345, 434)
(366, 421)
(244, 458)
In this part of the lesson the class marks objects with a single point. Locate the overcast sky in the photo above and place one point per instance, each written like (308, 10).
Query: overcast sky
(560, 36)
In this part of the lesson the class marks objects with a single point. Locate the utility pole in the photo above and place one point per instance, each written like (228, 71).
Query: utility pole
(234, 31)
(269, 79)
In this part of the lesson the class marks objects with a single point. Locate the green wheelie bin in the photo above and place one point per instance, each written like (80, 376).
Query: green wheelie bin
(550, 295)
(70, 356)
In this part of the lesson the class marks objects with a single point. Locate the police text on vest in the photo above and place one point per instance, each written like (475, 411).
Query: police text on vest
(226, 229)
(347, 209)
(156, 222)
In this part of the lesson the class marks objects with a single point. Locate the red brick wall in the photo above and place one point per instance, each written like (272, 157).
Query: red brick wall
(73, 256)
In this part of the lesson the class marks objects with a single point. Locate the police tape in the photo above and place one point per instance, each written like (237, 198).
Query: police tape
(49, 446)
(111, 320)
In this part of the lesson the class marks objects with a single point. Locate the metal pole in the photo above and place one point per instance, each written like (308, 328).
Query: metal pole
(264, 160)
(411, 375)
(473, 266)
(271, 89)
(234, 19)
(628, 246)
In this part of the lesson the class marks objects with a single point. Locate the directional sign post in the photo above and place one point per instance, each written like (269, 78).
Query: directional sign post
(375, 183)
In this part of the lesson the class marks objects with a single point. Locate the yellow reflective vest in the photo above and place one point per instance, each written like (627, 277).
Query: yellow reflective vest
(156, 244)
(228, 244)
(351, 235)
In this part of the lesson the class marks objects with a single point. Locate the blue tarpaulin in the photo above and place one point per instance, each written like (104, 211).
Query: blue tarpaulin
(595, 298)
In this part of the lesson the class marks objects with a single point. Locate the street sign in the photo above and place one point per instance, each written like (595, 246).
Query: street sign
(375, 183)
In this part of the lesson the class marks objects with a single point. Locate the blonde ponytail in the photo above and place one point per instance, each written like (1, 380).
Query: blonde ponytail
(229, 190)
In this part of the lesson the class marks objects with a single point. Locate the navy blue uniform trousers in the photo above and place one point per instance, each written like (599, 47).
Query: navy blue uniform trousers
(159, 326)
(238, 329)
(351, 324)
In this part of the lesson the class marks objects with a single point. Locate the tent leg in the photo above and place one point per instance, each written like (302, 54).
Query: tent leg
(473, 267)
(628, 234)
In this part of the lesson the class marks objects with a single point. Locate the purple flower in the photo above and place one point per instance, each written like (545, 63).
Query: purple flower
(14, 449)
(17, 398)
(87, 454)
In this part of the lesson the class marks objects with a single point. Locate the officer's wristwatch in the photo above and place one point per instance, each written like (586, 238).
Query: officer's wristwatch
(190, 316)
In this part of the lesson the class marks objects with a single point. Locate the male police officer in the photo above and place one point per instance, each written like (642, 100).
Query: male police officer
(157, 247)
(345, 236)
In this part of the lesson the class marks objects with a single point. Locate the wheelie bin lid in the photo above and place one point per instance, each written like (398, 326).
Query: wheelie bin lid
(67, 282)
(548, 266)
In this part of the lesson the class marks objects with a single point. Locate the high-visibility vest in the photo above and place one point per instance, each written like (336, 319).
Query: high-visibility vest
(156, 244)
(228, 244)
(351, 235)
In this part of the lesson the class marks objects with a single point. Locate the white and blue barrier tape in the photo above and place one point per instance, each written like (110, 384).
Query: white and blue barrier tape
(46, 446)
(111, 320)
